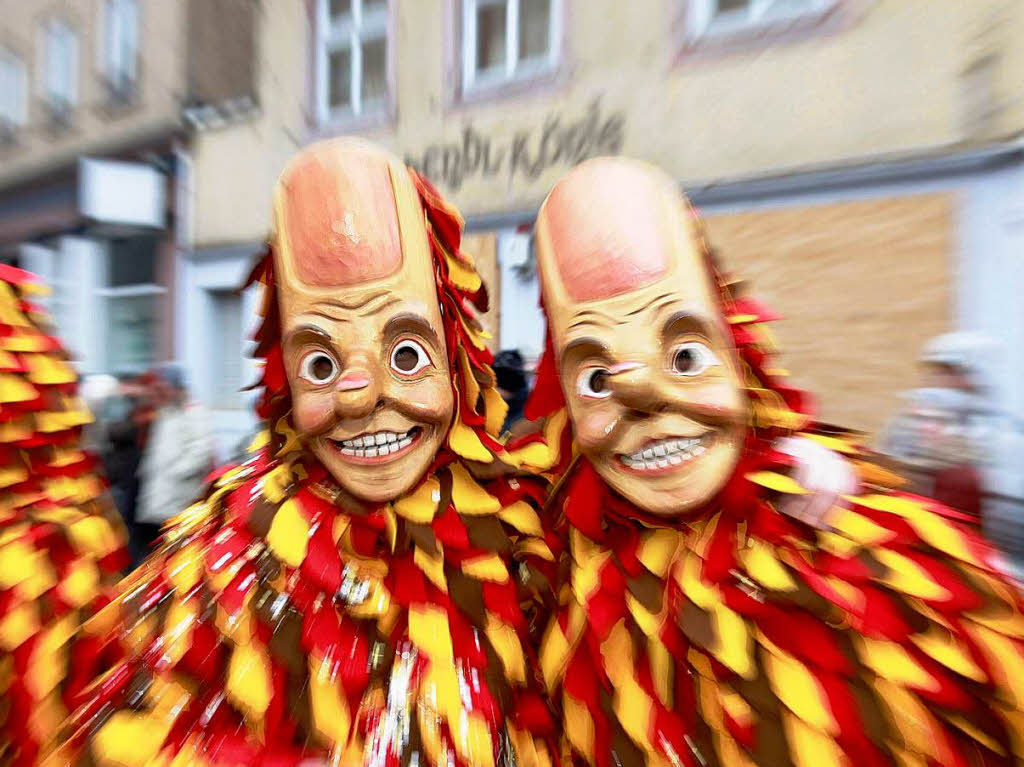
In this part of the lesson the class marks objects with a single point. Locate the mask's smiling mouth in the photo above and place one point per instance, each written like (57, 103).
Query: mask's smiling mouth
(378, 446)
(665, 455)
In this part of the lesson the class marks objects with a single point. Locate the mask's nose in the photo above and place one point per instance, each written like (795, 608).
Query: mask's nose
(633, 385)
(358, 391)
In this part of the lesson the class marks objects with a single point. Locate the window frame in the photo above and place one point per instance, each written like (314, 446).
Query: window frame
(121, 76)
(702, 24)
(18, 116)
(516, 70)
(48, 94)
(350, 33)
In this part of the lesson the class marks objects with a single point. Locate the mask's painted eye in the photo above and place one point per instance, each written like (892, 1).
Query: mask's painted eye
(409, 358)
(593, 383)
(692, 359)
(319, 368)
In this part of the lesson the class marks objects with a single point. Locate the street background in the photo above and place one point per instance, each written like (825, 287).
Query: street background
(859, 162)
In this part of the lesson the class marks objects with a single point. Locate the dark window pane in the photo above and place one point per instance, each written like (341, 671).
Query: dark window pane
(375, 73)
(132, 262)
(727, 6)
(490, 36)
(340, 8)
(339, 79)
(534, 28)
(374, 5)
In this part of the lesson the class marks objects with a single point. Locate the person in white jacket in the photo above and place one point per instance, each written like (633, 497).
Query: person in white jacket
(178, 453)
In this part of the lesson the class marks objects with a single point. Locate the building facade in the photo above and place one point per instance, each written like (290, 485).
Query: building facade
(99, 100)
(860, 161)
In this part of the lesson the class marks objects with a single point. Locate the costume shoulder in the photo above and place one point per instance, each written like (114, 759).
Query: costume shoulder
(61, 542)
(206, 637)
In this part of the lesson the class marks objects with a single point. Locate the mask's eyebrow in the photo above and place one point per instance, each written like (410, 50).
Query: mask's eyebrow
(303, 331)
(586, 347)
(689, 322)
(418, 324)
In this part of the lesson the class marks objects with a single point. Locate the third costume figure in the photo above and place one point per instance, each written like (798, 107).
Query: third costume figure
(345, 596)
(697, 624)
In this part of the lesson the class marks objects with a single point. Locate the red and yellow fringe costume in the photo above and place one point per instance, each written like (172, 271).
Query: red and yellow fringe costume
(274, 626)
(62, 544)
(740, 636)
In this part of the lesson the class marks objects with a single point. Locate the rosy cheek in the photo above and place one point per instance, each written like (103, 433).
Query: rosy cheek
(429, 400)
(594, 428)
(724, 400)
(312, 412)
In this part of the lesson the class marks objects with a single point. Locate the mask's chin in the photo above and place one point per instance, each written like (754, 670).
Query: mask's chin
(379, 466)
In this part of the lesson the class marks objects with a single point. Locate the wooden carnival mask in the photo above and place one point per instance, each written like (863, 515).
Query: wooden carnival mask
(645, 358)
(362, 337)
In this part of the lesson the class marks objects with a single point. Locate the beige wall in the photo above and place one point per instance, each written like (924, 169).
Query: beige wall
(861, 285)
(94, 127)
(235, 167)
(878, 77)
(884, 76)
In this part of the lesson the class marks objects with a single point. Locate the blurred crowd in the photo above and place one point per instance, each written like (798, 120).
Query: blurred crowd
(156, 445)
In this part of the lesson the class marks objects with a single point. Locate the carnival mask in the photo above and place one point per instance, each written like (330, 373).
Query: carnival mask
(644, 355)
(363, 343)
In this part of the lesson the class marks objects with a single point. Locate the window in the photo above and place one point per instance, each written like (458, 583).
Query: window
(352, 58)
(133, 301)
(12, 94)
(59, 69)
(507, 40)
(716, 17)
(119, 54)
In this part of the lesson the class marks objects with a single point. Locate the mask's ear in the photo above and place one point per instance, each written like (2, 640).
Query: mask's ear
(546, 397)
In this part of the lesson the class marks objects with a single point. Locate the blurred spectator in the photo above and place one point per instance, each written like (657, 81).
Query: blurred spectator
(945, 433)
(96, 391)
(513, 385)
(122, 416)
(178, 452)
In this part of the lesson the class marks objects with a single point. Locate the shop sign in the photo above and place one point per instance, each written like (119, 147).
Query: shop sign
(558, 141)
(127, 193)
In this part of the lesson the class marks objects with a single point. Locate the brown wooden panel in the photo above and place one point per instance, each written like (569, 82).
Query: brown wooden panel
(862, 284)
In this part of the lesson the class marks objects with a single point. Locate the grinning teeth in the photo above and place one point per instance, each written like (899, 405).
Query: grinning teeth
(376, 444)
(669, 452)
